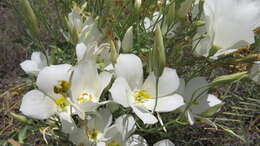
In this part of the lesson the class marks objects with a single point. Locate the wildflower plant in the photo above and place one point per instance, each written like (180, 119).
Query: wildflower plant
(121, 70)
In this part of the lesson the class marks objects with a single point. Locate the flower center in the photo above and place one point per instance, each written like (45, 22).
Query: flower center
(140, 96)
(113, 143)
(85, 97)
(61, 103)
(62, 87)
(94, 135)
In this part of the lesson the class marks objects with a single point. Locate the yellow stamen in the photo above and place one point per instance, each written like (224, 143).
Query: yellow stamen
(85, 97)
(140, 96)
(62, 87)
(61, 102)
(93, 134)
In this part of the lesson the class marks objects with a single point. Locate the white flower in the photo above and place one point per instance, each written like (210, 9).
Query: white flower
(130, 91)
(35, 65)
(229, 25)
(205, 101)
(254, 73)
(87, 85)
(165, 142)
(149, 23)
(43, 103)
(98, 130)
(85, 26)
(124, 127)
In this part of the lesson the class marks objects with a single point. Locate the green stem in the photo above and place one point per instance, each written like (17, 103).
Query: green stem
(156, 93)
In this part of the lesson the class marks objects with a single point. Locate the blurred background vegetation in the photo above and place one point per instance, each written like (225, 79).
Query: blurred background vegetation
(238, 122)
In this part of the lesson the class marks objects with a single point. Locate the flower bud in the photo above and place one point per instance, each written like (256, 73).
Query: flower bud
(254, 72)
(73, 33)
(228, 78)
(21, 118)
(29, 17)
(171, 14)
(138, 4)
(113, 53)
(249, 58)
(159, 59)
(127, 43)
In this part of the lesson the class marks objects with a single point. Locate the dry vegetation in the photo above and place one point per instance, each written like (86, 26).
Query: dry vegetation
(241, 114)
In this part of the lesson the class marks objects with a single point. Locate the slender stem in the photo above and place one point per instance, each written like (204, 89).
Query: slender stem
(156, 93)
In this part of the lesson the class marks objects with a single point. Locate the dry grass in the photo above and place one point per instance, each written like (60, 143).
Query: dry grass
(13, 51)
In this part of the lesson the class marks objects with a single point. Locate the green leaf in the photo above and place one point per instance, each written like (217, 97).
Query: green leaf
(211, 111)
(229, 131)
(22, 134)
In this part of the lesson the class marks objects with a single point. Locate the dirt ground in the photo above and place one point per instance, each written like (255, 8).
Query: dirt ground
(13, 52)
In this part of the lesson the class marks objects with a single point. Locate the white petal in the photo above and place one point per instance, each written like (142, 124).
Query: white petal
(36, 105)
(40, 59)
(193, 85)
(121, 92)
(147, 24)
(213, 100)
(84, 79)
(67, 123)
(101, 120)
(165, 142)
(129, 66)
(190, 117)
(78, 137)
(165, 104)
(136, 140)
(222, 52)
(30, 67)
(125, 124)
(81, 49)
(181, 88)
(112, 134)
(146, 116)
(109, 68)
(127, 43)
(89, 106)
(104, 80)
(168, 83)
(50, 76)
(205, 104)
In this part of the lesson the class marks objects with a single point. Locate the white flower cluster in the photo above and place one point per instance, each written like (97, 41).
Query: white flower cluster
(83, 89)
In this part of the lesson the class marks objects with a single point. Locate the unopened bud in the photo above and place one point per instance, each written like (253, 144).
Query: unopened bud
(127, 43)
(29, 17)
(21, 118)
(73, 33)
(254, 73)
(249, 58)
(113, 53)
(159, 53)
(138, 4)
(171, 14)
(225, 79)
